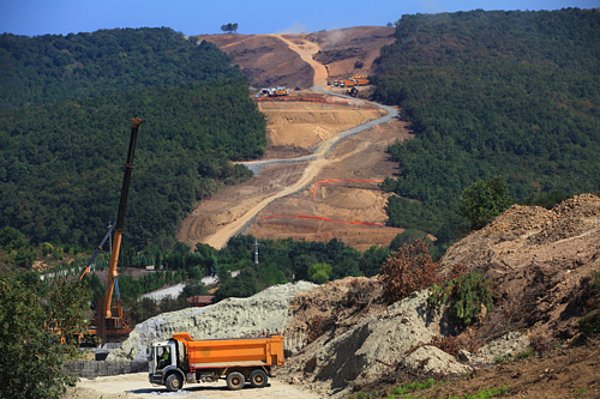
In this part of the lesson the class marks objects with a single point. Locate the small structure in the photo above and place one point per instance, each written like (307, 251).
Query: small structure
(199, 301)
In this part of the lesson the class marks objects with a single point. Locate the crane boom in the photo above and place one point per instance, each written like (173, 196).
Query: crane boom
(118, 233)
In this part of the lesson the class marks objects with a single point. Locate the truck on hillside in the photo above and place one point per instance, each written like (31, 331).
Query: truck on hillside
(239, 361)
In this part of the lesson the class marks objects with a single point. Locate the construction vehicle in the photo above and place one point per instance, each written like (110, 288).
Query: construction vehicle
(111, 321)
(361, 80)
(346, 83)
(182, 360)
(356, 80)
(278, 91)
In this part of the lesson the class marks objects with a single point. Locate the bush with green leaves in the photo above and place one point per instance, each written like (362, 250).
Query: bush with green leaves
(464, 297)
(589, 324)
(482, 201)
(319, 272)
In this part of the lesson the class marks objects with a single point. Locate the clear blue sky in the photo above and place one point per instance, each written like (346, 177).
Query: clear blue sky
(36, 17)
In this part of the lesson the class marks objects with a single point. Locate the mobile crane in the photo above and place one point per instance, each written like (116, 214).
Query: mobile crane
(111, 321)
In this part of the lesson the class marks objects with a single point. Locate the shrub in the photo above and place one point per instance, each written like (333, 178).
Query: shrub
(466, 296)
(407, 270)
(319, 272)
(31, 357)
(482, 201)
(589, 324)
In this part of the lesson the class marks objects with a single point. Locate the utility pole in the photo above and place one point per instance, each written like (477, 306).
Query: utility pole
(255, 251)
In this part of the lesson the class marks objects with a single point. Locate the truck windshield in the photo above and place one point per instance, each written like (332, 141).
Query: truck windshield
(163, 356)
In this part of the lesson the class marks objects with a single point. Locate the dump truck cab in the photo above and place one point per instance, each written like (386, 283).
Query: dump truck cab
(238, 361)
(163, 364)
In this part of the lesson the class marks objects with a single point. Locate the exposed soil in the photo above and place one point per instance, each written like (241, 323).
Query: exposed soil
(232, 202)
(264, 60)
(359, 157)
(540, 260)
(570, 373)
(351, 51)
(304, 125)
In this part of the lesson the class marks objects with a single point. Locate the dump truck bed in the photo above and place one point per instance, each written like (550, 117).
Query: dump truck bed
(232, 352)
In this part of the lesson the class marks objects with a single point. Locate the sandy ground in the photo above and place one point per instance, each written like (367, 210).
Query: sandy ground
(305, 125)
(360, 157)
(136, 386)
(232, 202)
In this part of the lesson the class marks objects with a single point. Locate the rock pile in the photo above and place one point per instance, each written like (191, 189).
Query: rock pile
(371, 349)
(265, 313)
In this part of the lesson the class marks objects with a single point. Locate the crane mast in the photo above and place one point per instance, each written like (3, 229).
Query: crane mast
(115, 323)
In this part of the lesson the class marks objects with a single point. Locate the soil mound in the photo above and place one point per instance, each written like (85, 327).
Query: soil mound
(576, 216)
(540, 261)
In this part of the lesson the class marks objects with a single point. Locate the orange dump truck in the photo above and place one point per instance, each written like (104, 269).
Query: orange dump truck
(238, 361)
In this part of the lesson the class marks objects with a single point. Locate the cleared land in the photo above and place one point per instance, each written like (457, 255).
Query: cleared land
(351, 51)
(264, 60)
(306, 129)
(360, 157)
(304, 125)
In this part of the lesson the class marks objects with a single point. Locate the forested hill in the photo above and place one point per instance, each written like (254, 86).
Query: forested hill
(65, 106)
(512, 94)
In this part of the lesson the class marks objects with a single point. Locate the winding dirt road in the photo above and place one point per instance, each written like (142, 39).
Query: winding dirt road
(306, 51)
(315, 161)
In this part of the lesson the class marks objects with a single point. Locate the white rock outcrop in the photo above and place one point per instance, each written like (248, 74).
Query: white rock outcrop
(262, 314)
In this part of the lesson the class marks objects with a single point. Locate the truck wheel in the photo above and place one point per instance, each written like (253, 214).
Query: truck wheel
(173, 382)
(258, 378)
(235, 380)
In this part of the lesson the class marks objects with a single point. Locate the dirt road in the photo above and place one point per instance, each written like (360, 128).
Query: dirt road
(136, 386)
(306, 51)
(316, 162)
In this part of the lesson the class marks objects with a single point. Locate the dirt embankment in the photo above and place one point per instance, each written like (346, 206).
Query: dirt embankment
(540, 259)
(307, 50)
(540, 262)
(305, 125)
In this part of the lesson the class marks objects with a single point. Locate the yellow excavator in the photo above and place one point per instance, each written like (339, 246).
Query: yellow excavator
(111, 321)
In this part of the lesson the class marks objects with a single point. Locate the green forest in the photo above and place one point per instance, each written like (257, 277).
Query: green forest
(514, 95)
(65, 106)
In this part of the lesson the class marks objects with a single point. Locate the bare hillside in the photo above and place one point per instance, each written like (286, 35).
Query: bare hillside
(351, 51)
(264, 60)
